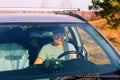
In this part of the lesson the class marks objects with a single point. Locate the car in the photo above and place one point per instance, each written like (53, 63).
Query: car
(24, 33)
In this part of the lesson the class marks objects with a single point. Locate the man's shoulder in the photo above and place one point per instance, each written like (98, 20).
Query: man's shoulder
(69, 45)
(49, 44)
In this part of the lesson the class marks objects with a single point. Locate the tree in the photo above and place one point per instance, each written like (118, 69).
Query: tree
(109, 9)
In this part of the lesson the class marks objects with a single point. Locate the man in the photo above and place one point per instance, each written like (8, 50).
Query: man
(54, 49)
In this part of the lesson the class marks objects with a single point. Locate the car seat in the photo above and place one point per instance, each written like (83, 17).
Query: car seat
(13, 56)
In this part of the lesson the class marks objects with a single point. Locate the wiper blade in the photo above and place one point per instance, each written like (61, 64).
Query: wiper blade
(90, 76)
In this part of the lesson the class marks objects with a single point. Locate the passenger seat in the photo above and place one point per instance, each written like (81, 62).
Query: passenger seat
(13, 56)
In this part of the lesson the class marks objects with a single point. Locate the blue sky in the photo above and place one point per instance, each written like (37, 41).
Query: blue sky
(82, 4)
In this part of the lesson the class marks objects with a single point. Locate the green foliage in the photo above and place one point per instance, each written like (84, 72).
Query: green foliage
(109, 9)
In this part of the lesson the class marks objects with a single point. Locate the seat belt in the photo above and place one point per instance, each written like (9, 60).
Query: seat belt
(66, 48)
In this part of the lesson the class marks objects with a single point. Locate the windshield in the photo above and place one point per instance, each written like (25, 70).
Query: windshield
(85, 51)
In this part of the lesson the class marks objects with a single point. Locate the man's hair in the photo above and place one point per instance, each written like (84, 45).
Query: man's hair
(59, 30)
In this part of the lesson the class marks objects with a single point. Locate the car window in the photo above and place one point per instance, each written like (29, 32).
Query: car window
(21, 43)
(96, 54)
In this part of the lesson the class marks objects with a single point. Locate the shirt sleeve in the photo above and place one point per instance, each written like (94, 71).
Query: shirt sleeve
(42, 54)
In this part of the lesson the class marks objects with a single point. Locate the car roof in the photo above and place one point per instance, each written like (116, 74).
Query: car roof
(37, 17)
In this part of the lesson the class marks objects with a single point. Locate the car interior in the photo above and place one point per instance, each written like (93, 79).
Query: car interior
(30, 40)
(21, 43)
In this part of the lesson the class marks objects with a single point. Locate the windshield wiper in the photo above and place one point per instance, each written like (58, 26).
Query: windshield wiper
(89, 76)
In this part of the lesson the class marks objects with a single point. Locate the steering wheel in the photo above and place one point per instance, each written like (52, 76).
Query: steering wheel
(79, 55)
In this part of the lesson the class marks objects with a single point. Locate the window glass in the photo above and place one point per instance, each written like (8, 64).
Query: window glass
(95, 53)
(21, 43)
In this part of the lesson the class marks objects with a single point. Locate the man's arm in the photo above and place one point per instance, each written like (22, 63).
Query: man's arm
(38, 60)
(73, 56)
(41, 56)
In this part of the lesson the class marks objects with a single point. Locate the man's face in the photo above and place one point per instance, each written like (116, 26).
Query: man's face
(58, 38)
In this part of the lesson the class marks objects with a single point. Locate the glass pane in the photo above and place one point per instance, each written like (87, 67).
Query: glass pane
(22, 44)
(95, 53)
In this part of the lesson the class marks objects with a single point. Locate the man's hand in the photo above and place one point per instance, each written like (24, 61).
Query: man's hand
(38, 60)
